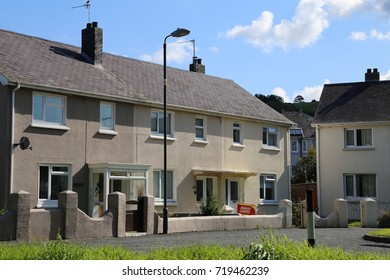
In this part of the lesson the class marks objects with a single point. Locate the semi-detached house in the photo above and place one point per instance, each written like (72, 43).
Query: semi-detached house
(94, 125)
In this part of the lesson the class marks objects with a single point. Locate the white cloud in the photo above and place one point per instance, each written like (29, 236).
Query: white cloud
(379, 35)
(385, 76)
(358, 36)
(305, 28)
(176, 52)
(310, 93)
(282, 93)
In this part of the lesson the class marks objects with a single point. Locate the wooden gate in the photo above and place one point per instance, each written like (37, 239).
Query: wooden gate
(134, 215)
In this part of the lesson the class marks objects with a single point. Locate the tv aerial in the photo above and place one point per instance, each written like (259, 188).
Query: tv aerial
(87, 5)
(193, 45)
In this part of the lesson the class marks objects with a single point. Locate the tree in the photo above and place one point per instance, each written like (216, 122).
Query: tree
(299, 99)
(306, 169)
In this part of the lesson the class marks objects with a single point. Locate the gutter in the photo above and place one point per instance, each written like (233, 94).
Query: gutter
(13, 137)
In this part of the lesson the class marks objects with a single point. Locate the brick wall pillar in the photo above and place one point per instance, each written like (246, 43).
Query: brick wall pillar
(368, 213)
(286, 205)
(148, 210)
(117, 205)
(341, 207)
(68, 202)
(20, 203)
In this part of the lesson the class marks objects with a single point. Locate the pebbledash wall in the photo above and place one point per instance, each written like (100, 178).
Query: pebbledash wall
(23, 224)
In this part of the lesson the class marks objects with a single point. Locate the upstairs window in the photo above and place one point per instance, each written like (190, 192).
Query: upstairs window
(157, 123)
(49, 109)
(107, 116)
(294, 146)
(270, 136)
(237, 133)
(358, 138)
(200, 129)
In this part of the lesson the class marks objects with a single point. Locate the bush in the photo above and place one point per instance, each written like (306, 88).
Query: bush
(2, 211)
(212, 207)
(384, 220)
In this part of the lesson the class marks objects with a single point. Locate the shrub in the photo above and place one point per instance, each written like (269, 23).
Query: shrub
(2, 211)
(212, 207)
(384, 220)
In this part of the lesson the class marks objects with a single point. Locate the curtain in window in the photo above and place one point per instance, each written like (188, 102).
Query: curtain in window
(366, 185)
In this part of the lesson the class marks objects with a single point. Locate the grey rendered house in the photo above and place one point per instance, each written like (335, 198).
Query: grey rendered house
(302, 136)
(352, 125)
(94, 125)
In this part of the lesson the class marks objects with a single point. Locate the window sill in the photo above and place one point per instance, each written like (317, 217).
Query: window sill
(108, 132)
(50, 126)
(169, 203)
(271, 148)
(198, 141)
(268, 202)
(161, 137)
(238, 145)
(359, 149)
(357, 199)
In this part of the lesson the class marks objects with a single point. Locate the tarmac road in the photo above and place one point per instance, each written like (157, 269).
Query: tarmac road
(350, 239)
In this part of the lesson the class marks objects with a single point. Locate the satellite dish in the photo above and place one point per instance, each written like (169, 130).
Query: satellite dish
(24, 143)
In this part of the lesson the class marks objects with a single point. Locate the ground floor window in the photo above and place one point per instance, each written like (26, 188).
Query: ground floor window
(360, 185)
(158, 184)
(53, 179)
(267, 187)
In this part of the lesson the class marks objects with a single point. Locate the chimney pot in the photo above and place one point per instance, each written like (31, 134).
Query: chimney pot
(372, 75)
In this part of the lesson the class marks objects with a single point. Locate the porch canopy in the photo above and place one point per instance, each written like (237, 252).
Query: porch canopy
(226, 173)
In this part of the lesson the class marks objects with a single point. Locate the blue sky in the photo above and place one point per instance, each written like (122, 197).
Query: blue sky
(283, 47)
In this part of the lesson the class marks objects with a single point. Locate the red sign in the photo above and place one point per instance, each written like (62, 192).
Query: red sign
(246, 209)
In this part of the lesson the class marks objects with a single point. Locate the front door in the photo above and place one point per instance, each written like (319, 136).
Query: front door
(231, 195)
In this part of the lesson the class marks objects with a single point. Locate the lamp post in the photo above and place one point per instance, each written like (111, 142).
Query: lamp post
(180, 32)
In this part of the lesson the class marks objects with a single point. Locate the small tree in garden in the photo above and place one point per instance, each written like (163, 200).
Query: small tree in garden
(212, 206)
(306, 169)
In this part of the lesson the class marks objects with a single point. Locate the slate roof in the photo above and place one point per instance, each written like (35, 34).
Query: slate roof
(302, 121)
(35, 62)
(354, 102)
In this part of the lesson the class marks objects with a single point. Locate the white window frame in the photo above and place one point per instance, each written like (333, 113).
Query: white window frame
(44, 123)
(52, 203)
(354, 196)
(107, 129)
(201, 127)
(266, 134)
(296, 150)
(160, 199)
(355, 138)
(237, 127)
(267, 178)
(170, 124)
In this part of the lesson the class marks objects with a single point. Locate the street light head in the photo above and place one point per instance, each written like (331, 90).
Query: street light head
(180, 32)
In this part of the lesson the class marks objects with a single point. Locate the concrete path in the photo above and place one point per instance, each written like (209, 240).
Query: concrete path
(350, 239)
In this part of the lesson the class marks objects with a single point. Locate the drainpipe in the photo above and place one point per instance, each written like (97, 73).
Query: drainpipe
(319, 189)
(13, 137)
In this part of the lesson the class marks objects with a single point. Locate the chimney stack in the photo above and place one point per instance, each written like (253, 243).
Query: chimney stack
(197, 66)
(92, 43)
(372, 75)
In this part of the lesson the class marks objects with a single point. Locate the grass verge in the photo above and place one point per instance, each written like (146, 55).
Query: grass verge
(267, 247)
